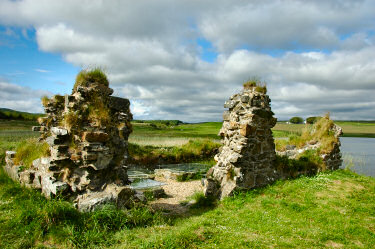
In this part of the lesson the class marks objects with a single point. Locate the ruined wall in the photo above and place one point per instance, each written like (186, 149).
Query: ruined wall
(246, 158)
(87, 132)
(324, 140)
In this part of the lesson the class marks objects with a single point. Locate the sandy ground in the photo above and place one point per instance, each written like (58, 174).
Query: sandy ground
(176, 193)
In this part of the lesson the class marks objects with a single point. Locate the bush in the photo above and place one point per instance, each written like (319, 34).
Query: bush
(296, 120)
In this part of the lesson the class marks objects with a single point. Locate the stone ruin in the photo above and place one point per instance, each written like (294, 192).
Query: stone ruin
(247, 158)
(87, 134)
(331, 157)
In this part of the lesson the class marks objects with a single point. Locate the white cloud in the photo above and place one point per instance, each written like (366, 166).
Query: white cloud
(316, 56)
(42, 70)
(21, 98)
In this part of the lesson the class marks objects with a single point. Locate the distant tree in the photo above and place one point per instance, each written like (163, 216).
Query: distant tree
(296, 120)
(312, 120)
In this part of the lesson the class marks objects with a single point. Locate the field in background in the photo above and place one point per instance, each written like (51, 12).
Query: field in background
(168, 134)
(350, 128)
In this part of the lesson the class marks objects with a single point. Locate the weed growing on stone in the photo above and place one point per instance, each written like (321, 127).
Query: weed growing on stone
(45, 100)
(256, 84)
(29, 150)
(88, 76)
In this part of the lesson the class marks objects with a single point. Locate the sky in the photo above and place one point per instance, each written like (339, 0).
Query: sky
(183, 59)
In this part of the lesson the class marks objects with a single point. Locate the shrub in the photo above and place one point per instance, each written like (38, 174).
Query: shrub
(87, 77)
(296, 120)
(29, 150)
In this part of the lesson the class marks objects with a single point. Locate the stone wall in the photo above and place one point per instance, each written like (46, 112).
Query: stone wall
(329, 153)
(246, 159)
(87, 132)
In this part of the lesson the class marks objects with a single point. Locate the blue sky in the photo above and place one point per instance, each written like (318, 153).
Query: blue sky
(182, 60)
(23, 63)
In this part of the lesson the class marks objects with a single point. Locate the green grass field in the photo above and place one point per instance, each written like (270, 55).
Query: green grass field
(335, 209)
(350, 128)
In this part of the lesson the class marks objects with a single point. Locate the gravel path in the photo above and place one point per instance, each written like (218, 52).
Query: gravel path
(176, 192)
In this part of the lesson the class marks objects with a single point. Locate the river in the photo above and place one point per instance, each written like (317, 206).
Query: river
(359, 154)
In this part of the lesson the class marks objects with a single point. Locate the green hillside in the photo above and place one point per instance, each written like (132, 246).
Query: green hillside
(10, 114)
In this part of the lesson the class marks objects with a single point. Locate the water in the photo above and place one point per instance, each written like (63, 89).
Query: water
(141, 176)
(359, 153)
(146, 184)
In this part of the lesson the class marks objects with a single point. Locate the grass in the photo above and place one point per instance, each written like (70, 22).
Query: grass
(257, 84)
(30, 149)
(331, 209)
(334, 209)
(27, 220)
(89, 76)
(194, 150)
(318, 132)
(350, 128)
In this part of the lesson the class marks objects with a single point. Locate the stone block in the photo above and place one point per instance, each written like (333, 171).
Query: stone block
(245, 99)
(10, 154)
(119, 104)
(247, 130)
(96, 136)
(87, 156)
(226, 115)
(59, 131)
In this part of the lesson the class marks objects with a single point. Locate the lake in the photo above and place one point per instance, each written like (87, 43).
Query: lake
(359, 153)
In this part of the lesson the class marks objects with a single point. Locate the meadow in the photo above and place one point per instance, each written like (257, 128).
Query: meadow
(332, 209)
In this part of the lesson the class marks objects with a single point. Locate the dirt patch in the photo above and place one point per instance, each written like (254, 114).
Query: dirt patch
(347, 185)
(176, 193)
(332, 244)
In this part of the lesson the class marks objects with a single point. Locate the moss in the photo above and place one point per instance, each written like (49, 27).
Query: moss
(261, 89)
(249, 84)
(59, 99)
(29, 150)
(71, 121)
(87, 77)
(45, 100)
(98, 111)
